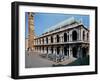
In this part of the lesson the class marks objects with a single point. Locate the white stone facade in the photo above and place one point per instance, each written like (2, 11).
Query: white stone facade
(67, 41)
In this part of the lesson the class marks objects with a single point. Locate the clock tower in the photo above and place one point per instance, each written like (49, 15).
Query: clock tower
(31, 33)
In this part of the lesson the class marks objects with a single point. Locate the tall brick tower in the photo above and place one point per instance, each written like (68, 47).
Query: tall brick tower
(31, 33)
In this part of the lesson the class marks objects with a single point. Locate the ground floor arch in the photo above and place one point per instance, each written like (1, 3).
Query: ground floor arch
(74, 52)
(66, 52)
(58, 50)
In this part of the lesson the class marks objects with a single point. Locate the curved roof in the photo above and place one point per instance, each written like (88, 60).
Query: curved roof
(63, 23)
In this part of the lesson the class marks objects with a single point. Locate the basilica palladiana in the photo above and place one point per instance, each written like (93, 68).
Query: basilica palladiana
(65, 40)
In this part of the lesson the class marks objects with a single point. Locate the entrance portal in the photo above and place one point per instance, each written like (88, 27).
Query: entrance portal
(65, 51)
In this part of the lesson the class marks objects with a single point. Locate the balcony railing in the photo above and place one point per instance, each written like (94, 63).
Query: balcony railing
(68, 42)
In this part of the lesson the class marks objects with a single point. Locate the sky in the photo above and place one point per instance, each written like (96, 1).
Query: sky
(43, 21)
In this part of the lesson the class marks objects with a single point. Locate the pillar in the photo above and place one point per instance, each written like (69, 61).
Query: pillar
(44, 49)
(69, 36)
(81, 35)
(54, 38)
(70, 51)
(49, 50)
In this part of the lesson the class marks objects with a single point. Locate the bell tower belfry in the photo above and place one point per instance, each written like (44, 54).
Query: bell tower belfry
(31, 33)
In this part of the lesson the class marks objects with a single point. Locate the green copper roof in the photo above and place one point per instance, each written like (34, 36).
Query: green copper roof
(63, 23)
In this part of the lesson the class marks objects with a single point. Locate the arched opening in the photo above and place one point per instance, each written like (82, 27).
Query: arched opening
(51, 39)
(84, 51)
(74, 50)
(58, 50)
(65, 51)
(47, 49)
(47, 40)
(83, 35)
(65, 37)
(74, 35)
(57, 38)
(52, 50)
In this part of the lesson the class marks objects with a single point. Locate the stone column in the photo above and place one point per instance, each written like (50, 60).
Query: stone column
(49, 50)
(61, 39)
(61, 50)
(54, 38)
(38, 42)
(81, 34)
(44, 40)
(54, 54)
(48, 39)
(44, 49)
(70, 51)
(54, 50)
(70, 37)
(41, 41)
(78, 52)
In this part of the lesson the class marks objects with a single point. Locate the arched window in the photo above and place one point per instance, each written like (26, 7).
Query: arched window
(74, 35)
(57, 38)
(51, 39)
(65, 37)
(47, 40)
(83, 35)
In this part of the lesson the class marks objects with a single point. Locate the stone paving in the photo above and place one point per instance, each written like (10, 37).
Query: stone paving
(33, 60)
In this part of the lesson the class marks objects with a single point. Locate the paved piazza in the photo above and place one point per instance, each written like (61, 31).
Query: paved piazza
(34, 59)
